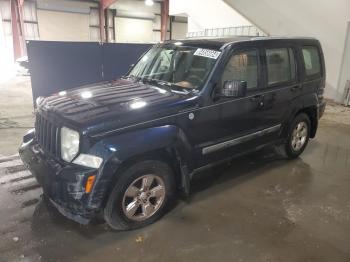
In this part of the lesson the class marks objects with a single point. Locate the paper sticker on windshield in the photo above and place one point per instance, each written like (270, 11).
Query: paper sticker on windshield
(207, 53)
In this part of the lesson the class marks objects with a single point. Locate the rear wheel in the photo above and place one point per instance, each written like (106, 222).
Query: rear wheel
(140, 196)
(298, 136)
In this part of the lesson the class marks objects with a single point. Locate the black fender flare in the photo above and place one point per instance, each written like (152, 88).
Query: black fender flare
(115, 150)
(307, 103)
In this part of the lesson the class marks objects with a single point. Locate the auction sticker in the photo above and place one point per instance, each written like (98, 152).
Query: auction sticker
(207, 53)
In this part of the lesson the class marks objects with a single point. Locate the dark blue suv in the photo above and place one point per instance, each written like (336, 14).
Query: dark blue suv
(125, 148)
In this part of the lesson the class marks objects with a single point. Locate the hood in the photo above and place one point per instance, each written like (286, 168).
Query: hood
(123, 102)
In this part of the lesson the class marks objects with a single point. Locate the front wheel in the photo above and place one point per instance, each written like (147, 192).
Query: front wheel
(140, 196)
(298, 136)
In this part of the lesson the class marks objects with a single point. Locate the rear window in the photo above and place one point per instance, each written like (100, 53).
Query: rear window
(311, 61)
(280, 65)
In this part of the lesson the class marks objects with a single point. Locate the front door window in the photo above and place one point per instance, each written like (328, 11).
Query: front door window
(242, 66)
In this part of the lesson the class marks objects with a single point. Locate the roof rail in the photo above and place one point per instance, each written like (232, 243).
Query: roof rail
(248, 30)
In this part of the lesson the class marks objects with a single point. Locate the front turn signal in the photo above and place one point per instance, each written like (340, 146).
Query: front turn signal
(89, 184)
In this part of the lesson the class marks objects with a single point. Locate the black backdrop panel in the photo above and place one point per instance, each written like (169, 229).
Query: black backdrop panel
(56, 66)
(117, 58)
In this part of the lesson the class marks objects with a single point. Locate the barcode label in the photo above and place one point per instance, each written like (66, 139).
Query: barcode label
(207, 53)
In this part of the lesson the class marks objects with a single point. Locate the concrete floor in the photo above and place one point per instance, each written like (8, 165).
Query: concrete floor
(258, 208)
(16, 113)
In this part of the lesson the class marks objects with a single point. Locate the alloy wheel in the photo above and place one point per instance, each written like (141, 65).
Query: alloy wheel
(143, 197)
(299, 136)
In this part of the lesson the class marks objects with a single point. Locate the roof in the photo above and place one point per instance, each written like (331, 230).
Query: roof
(217, 43)
(212, 43)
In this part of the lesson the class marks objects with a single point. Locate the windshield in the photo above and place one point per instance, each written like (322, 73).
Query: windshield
(180, 66)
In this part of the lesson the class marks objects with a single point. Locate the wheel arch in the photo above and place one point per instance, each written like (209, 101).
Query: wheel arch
(306, 104)
(172, 147)
(311, 112)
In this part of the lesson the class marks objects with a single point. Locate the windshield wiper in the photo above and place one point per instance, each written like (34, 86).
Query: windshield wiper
(158, 82)
(153, 81)
(165, 84)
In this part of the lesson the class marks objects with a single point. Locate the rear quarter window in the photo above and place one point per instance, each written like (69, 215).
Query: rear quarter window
(312, 62)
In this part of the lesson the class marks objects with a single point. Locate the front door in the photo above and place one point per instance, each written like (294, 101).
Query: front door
(240, 122)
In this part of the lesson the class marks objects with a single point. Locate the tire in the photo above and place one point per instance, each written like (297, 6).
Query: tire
(132, 193)
(293, 148)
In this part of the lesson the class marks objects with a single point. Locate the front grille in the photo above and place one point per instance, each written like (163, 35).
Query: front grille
(47, 135)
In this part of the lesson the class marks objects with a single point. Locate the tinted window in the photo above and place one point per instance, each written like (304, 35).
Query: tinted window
(243, 67)
(280, 65)
(311, 60)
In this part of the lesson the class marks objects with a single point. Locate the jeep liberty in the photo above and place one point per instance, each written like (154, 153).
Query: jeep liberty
(124, 148)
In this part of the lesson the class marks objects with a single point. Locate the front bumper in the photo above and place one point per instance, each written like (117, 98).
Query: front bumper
(63, 183)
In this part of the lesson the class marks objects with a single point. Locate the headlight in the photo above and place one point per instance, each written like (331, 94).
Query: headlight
(69, 144)
(88, 160)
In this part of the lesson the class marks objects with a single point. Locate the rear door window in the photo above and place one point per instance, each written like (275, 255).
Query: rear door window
(280, 65)
(312, 61)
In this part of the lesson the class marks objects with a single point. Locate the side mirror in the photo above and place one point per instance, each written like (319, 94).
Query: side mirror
(234, 88)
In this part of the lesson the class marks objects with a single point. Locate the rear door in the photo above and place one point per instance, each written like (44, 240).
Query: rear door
(235, 125)
(282, 83)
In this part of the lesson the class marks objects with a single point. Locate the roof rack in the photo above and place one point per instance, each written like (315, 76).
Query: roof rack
(228, 31)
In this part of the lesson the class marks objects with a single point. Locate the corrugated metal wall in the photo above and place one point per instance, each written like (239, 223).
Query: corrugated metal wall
(31, 28)
(5, 10)
(95, 25)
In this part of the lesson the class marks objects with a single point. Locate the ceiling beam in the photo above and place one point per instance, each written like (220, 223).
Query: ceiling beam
(107, 3)
(19, 48)
(164, 19)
